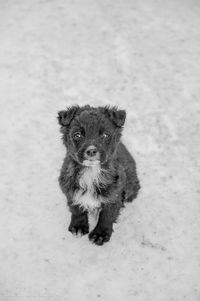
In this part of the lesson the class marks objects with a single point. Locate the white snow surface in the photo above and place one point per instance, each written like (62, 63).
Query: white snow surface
(141, 55)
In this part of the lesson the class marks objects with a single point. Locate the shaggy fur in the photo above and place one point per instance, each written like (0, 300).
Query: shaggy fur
(98, 173)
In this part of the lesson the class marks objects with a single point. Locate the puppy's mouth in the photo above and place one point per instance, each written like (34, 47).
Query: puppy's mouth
(91, 162)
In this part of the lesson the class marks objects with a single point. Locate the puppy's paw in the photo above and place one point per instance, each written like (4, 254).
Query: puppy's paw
(79, 230)
(99, 237)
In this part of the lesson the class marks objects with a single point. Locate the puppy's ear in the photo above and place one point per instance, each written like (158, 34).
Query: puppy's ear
(117, 116)
(65, 117)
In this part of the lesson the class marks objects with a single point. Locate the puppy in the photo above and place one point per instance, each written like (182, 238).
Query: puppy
(98, 174)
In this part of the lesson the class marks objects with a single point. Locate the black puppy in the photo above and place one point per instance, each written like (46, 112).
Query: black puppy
(98, 173)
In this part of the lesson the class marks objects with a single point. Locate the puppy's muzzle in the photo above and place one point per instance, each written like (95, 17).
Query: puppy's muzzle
(91, 153)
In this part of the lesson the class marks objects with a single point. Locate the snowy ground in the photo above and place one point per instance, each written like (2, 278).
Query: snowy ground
(142, 56)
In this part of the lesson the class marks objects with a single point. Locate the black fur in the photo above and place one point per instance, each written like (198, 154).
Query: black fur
(121, 183)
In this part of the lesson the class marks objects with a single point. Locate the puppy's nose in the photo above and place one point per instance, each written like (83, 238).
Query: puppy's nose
(91, 151)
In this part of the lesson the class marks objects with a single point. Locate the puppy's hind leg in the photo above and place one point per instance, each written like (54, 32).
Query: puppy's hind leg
(131, 190)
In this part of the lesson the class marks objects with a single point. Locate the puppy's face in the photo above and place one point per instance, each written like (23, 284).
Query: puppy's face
(91, 134)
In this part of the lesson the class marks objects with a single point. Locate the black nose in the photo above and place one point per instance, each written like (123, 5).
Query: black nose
(91, 151)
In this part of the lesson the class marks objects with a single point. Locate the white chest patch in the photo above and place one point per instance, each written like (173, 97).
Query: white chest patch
(86, 197)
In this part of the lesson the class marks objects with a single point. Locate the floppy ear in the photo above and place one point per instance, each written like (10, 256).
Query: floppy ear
(65, 117)
(117, 116)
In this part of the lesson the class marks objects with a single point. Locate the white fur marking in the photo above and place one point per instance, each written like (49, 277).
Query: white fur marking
(86, 197)
(90, 176)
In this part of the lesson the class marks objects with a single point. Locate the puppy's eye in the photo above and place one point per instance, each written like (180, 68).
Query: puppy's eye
(105, 135)
(77, 136)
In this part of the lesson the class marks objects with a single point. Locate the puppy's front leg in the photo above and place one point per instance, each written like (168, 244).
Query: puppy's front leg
(79, 221)
(104, 228)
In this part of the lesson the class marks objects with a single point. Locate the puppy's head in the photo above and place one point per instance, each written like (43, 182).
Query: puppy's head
(91, 134)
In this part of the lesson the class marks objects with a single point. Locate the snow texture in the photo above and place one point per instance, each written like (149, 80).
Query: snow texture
(144, 56)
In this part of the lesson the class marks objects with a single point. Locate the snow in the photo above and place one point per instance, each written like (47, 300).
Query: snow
(142, 56)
